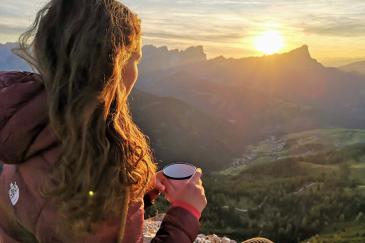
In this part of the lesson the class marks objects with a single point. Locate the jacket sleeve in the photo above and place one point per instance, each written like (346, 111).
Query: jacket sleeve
(5, 238)
(178, 226)
(16, 90)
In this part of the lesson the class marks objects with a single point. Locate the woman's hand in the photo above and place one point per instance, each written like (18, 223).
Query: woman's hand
(192, 192)
(156, 182)
(158, 177)
(154, 188)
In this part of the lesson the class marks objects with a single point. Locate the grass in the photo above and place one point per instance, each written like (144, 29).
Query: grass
(358, 172)
(336, 136)
(341, 233)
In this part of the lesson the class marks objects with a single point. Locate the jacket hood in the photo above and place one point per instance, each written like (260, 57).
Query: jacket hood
(24, 127)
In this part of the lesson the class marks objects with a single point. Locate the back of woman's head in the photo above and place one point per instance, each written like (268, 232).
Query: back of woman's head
(80, 48)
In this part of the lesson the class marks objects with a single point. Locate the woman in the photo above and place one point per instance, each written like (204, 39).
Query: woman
(76, 166)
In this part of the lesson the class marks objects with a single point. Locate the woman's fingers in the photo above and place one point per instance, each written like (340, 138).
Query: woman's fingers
(160, 186)
(160, 181)
(169, 187)
(196, 177)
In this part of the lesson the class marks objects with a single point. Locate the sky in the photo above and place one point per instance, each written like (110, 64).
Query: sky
(334, 30)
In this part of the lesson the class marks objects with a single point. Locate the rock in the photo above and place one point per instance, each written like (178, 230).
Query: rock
(152, 225)
(212, 239)
(226, 240)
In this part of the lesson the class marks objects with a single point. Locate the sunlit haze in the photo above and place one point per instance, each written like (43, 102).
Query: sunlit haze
(334, 30)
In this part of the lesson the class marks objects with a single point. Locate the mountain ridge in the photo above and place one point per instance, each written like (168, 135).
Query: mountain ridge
(177, 57)
(356, 67)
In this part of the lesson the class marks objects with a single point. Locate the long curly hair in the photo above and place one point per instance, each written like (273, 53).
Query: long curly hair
(80, 49)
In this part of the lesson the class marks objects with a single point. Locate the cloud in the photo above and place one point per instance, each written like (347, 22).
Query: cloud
(11, 29)
(224, 26)
(213, 37)
(337, 26)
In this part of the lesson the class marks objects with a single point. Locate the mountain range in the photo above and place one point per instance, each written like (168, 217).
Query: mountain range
(208, 110)
(262, 96)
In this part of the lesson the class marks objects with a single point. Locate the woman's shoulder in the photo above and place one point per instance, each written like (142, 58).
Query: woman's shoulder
(23, 110)
(17, 87)
(9, 78)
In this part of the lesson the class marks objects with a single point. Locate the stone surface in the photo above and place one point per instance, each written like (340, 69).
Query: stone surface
(152, 225)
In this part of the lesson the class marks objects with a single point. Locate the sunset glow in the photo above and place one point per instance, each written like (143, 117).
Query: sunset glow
(269, 42)
(334, 32)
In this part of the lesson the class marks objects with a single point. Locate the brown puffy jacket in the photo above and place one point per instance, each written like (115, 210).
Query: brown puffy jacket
(28, 149)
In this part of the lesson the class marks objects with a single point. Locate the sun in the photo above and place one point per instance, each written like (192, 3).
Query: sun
(269, 42)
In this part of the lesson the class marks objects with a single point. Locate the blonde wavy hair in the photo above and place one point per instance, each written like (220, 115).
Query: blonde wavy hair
(80, 49)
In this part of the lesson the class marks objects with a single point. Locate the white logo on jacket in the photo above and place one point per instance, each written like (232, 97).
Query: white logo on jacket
(14, 193)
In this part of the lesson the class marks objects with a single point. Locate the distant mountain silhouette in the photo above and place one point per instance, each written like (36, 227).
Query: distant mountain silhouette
(357, 67)
(155, 58)
(8, 61)
(267, 95)
(300, 55)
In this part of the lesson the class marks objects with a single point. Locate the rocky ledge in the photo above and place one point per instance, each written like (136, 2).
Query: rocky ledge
(152, 225)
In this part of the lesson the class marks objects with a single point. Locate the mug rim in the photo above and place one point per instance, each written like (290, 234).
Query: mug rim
(177, 178)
